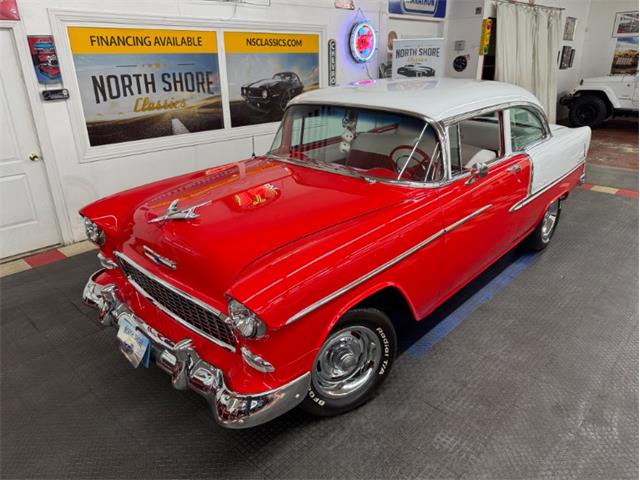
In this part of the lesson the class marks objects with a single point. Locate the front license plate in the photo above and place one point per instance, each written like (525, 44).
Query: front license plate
(133, 343)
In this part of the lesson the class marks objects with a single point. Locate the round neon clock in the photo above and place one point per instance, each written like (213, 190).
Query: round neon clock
(362, 42)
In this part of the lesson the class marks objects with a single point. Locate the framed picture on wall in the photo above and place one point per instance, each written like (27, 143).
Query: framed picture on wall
(626, 24)
(569, 28)
(565, 57)
(571, 55)
(625, 56)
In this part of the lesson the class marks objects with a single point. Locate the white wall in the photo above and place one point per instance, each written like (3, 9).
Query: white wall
(83, 182)
(599, 44)
(464, 23)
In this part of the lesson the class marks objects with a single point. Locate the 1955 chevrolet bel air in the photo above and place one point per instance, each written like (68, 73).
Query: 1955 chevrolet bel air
(270, 283)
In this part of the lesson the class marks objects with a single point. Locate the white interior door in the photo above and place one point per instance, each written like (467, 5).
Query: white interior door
(27, 216)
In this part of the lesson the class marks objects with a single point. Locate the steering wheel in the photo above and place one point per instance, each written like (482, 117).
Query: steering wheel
(413, 167)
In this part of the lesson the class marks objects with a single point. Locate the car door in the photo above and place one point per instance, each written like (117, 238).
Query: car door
(475, 206)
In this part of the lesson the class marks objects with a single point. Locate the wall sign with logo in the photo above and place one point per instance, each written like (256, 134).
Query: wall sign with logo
(44, 58)
(266, 70)
(428, 8)
(332, 62)
(418, 57)
(362, 42)
(146, 83)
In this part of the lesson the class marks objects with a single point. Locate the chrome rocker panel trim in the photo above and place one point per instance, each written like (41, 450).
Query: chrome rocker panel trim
(385, 266)
(188, 371)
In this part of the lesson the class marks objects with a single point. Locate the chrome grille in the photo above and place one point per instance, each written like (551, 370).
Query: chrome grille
(179, 305)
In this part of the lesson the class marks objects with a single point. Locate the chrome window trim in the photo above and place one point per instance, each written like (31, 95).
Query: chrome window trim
(437, 126)
(177, 291)
(385, 266)
(532, 196)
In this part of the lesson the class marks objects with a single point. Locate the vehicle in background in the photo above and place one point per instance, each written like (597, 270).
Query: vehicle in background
(597, 99)
(416, 71)
(273, 93)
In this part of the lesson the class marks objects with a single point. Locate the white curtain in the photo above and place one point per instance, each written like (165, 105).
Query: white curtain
(527, 46)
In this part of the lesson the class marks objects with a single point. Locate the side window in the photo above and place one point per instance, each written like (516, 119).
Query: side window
(526, 128)
(474, 140)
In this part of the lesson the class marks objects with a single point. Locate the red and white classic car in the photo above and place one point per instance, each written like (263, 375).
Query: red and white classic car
(270, 283)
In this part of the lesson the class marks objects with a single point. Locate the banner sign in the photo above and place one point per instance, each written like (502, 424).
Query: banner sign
(146, 83)
(266, 70)
(625, 56)
(418, 57)
(429, 8)
(44, 58)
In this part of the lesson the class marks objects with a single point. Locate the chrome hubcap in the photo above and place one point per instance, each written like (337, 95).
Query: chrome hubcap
(549, 221)
(346, 362)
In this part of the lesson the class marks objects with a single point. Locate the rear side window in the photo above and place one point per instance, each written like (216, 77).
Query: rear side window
(475, 140)
(526, 128)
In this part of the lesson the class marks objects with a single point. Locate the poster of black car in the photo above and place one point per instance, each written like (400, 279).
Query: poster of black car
(266, 70)
(137, 84)
(418, 57)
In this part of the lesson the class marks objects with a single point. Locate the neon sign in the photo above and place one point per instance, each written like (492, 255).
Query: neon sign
(362, 42)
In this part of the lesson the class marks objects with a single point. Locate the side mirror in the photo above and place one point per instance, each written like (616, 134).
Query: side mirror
(479, 170)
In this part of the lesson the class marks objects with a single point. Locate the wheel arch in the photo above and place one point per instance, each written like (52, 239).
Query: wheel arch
(604, 95)
(390, 298)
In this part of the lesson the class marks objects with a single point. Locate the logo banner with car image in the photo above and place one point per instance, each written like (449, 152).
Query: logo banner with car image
(145, 83)
(266, 70)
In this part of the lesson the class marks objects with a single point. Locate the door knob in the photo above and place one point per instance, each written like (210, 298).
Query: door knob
(34, 157)
(514, 168)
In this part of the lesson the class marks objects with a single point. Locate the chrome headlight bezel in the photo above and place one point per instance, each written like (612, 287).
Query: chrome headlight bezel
(94, 232)
(243, 320)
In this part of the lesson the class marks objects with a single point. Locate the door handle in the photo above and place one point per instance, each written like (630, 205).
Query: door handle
(514, 168)
(34, 157)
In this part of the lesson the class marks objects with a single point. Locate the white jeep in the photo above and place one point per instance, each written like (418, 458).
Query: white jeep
(599, 98)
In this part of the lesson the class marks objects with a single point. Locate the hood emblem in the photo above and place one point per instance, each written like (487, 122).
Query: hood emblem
(175, 213)
(159, 259)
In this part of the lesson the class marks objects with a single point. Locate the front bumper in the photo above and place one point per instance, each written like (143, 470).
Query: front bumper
(187, 370)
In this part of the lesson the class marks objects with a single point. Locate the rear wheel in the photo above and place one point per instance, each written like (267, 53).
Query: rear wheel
(587, 111)
(353, 361)
(541, 236)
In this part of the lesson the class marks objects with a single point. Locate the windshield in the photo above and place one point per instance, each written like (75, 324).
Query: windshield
(382, 145)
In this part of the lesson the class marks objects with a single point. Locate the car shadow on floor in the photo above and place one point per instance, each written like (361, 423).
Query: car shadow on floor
(410, 332)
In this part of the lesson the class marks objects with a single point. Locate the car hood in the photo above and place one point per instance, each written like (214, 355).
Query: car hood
(266, 82)
(246, 210)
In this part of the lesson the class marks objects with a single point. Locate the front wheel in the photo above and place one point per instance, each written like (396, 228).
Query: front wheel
(352, 362)
(587, 111)
(541, 236)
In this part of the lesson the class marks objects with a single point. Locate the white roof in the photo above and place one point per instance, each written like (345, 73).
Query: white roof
(436, 98)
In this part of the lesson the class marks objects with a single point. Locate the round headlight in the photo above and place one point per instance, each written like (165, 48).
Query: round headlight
(265, 93)
(244, 320)
(94, 232)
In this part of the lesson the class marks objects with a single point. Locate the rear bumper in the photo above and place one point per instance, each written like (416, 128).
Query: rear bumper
(188, 371)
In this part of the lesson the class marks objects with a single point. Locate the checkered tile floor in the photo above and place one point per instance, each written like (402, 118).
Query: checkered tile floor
(539, 380)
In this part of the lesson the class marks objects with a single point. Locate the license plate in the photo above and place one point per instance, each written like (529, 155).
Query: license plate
(133, 344)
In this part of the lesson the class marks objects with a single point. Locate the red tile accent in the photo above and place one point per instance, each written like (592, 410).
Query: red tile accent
(44, 258)
(627, 193)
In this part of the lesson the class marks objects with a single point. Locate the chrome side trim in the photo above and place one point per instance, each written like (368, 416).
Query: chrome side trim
(532, 196)
(182, 294)
(385, 266)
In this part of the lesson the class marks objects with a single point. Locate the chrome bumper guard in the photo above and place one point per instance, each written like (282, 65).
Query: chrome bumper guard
(187, 370)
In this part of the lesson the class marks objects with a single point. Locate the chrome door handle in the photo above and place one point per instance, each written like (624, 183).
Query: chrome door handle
(514, 168)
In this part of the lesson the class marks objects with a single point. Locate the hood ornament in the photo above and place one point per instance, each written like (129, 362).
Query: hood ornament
(174, 213)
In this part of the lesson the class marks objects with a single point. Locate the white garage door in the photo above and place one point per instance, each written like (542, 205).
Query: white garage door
(27, 217)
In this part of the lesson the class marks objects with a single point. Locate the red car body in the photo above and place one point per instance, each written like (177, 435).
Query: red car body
(300, 246)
